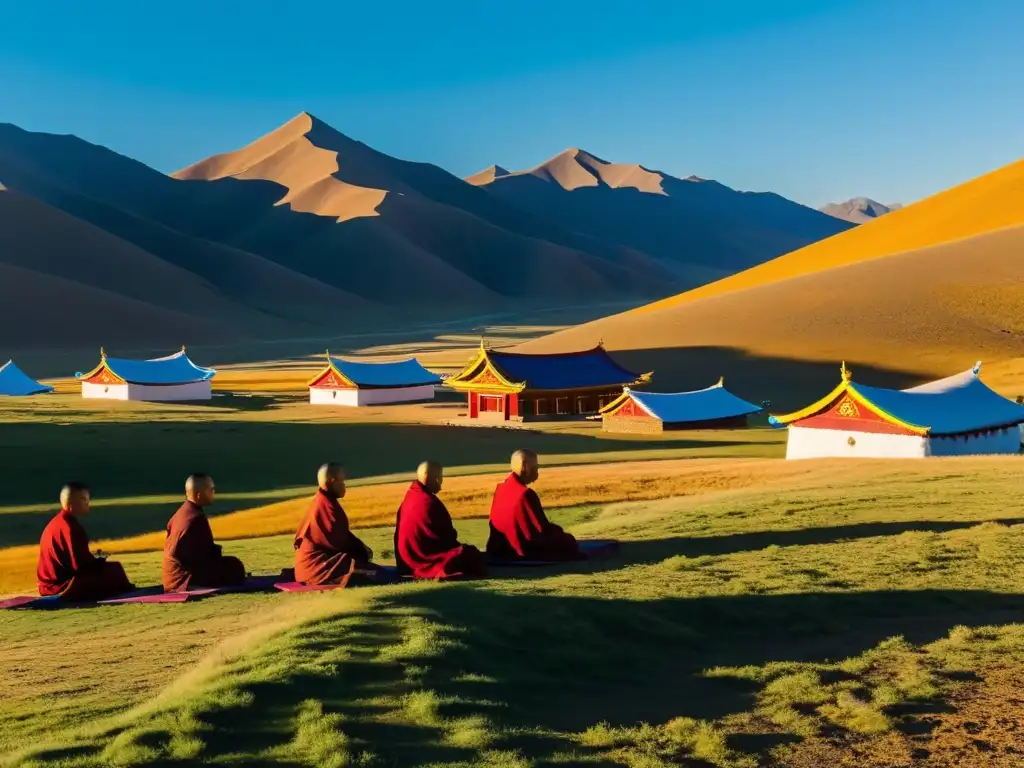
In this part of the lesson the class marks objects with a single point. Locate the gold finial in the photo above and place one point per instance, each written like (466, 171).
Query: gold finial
(327, 354)
(103, 354)
(721, 381)
(845, 372)
(183, 349)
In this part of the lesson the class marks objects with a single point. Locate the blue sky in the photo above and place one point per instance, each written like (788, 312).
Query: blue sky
(815, 99)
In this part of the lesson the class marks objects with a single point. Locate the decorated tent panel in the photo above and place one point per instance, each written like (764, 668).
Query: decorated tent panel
(16, 383)
(709, 408)
(356, 383)
(170, 378)
(957, 415)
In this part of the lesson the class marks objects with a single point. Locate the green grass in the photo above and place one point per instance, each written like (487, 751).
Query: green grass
(263, 449)
(732, 629)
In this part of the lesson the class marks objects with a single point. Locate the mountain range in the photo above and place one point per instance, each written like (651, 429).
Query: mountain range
(307, 232)
(923, 292)
(859, 210)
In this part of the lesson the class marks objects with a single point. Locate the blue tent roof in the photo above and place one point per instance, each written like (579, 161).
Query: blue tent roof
(960, 403)
(590, 368)
(708, 404)
(398, 373)
(173, 369)
(15, 383)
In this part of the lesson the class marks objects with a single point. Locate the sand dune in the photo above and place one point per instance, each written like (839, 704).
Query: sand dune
(923, 313)
(692, 224)
(984, 204)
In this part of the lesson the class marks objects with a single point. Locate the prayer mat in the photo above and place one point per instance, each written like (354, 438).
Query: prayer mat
(387, 574)
(594, 549)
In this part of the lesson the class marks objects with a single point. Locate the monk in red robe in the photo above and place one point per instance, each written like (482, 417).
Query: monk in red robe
(326, 550)
(191, 558)
(426, 543)
(66, 566)
(519, 528)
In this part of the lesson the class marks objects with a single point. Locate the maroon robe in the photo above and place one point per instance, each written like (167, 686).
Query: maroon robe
(426, 543)
(67, 568)
(521, 531)
(326, 550)
(191, 559)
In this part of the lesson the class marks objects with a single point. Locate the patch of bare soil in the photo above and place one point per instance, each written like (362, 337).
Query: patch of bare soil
(979, 725)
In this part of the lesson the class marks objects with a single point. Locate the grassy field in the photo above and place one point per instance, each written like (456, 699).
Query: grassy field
(848, 614)
(262, 442)
(759, 613)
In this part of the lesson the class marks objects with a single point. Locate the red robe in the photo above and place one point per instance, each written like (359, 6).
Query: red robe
(191, 559)
(326, 550)
(426, 543)
(521, 530)
(67, 567)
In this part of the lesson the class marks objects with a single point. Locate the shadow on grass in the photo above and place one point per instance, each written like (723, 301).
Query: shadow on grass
(651, 551)
(131, 459)
(446, 674)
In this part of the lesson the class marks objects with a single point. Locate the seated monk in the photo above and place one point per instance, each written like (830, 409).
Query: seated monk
(426, 543)
(519, 528)
(191, 559)
(66, 566)
(326, 550)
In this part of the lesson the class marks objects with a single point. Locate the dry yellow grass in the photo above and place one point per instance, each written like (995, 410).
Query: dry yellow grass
(984, 204)
(465, 497)
(928, 313)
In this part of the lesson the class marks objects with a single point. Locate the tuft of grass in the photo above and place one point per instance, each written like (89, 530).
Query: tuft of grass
(423, 708)
(855, 714)
(319, 740)
(476, 732)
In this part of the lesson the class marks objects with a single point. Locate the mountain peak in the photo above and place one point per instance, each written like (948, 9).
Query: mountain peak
(487, 175)
(859, 210)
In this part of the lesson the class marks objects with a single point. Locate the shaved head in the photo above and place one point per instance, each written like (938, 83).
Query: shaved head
(331, 479)
(525, 465)
(431, 475)
(329, 470)
(199, 488)
(75, 497)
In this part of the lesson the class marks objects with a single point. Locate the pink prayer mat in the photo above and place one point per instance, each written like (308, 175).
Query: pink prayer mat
(17, 602)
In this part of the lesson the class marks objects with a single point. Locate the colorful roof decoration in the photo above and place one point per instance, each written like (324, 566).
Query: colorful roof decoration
(708, 404)
(15, 383)
(173, 369)
(496, 371)
(954, 405)
(395, 373)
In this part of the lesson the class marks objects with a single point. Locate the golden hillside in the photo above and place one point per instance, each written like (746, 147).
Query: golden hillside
(925, 313)
(984, 204)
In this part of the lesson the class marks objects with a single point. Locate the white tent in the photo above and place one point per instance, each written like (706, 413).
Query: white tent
(171, 378)
(360, 383)
(955, 416)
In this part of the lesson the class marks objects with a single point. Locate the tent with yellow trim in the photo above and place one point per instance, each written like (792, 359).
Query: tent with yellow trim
(512, 386)
(361, 383)
(161, 379)
(955, 416)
